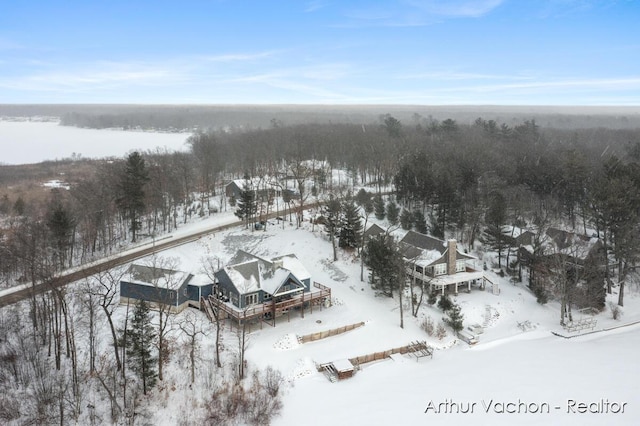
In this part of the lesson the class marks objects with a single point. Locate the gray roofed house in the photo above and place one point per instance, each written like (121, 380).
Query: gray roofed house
(438, 263)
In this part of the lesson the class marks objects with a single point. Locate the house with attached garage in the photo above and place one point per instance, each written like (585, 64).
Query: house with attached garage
(164, 287)
(439, 264)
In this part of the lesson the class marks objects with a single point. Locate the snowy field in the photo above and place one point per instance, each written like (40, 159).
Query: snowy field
(519, 367)
(28, 144)
(519, 372)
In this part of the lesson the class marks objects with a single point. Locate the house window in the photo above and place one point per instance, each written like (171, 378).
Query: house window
(460, 266)
(251, 299)
(440, 269)
(184, 291)
(419, 269)
(267, 297)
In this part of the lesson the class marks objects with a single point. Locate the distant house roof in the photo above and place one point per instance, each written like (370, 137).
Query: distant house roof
(373, 230)
(424, 250)
(567, 243)
(255, 183)
(424, 242)
(165, 278)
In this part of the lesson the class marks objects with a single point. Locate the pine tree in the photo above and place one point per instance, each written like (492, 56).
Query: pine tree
(140, 337)
(351, 230)
(247, 206)
(495, 218)
(382, 256)
(61, 225)
(131, 201)
(454, 318)
(362, 197)
(433, 298)
(445, 303)
(406, 219)
(385, 262)
(392, 212)
(419, 222)
(378, 207)
(333, 213)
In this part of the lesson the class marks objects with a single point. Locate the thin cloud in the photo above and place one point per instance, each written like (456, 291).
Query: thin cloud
(91, 77)
(453, 76)
(239, 57)
(457, 8)
(313, 6)
(417, 13)
(563, 8)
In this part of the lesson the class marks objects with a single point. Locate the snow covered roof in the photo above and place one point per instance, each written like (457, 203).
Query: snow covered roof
(425, 250)
(427, 257)
(342, 365)
(199, 280)
(293, 264)
(163, 278)
(567, 243)
(272, 282)
(254, 273)
(245, 276)
(459, 277)
(256, 182)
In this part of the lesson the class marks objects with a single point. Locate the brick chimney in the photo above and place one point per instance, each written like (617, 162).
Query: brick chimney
(451, 257)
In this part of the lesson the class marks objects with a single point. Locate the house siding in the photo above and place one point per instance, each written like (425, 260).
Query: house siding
(228, 289)
(148, 293)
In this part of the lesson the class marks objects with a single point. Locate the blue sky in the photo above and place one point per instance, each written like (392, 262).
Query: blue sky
(427, 52)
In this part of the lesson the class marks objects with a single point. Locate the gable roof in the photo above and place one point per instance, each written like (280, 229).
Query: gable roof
(291, 263)
(373, 230)
(424, 250)
(424, 242)
(253, 273)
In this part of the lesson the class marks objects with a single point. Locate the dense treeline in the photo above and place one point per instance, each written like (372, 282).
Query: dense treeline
(174, 117)
(447, 170)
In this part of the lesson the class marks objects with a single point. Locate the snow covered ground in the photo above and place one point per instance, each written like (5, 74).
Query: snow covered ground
(30, 146)
(519, 367)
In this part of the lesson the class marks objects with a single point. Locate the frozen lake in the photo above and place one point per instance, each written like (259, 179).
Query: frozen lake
(33, 142)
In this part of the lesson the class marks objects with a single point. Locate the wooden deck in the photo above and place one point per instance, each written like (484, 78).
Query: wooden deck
(267, 311)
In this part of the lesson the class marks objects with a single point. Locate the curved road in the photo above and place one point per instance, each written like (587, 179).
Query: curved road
(132, 254)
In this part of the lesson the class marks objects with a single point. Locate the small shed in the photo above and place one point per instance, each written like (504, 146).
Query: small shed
(344, 369)
(337, 370)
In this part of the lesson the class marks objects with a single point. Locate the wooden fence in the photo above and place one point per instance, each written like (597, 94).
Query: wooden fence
(328, 333)
(414, 347)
